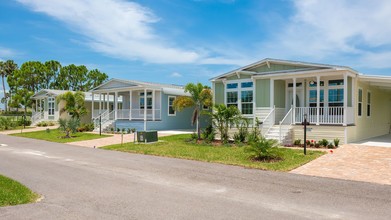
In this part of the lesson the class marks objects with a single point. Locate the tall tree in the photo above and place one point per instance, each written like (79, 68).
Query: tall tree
(30, 75)
(74, 103)
(200, 95)
(72, 77)
(95, 78)
(52, 69)
(6, 69)
(22, 99)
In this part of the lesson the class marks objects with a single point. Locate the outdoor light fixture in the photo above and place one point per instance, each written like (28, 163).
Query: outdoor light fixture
(312, 82)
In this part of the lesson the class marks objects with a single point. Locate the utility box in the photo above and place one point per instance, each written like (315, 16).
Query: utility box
(147, 136)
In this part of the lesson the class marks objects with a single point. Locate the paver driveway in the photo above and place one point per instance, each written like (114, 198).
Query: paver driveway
(352, 162)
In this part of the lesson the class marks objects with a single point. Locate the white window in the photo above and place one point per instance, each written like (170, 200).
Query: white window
(335, 93)
(171, 109)
(244, 102)
(369, 104)
(149, 100)
(51, 105)
(359, 111)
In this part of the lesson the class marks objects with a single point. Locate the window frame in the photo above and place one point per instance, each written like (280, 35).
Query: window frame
(51, 101)
(141, 96)
(239, 91)
(172, 106)
(369, 103)
(360, 107)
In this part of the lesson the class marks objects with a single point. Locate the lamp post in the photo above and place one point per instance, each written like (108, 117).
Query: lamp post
(305, 123)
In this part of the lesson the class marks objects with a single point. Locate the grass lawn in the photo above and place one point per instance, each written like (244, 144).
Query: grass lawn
(14, 193)
(176, 146)
(56, 135)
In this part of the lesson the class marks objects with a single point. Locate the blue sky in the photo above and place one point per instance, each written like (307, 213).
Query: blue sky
(180, 41)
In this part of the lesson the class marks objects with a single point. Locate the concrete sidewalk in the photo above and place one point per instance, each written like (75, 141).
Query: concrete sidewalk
(116, 139)
(29, 130)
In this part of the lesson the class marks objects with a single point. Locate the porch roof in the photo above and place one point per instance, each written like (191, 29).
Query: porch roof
(300, 67)
(382, 82)
(117, 84)
(53, 92)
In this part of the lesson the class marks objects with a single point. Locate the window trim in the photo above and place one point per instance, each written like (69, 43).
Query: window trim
(168, 106)
(239, 90)
(51, 100)
(360, 102)
(369, 103)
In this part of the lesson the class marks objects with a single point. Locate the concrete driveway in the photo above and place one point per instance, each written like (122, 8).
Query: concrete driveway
(86, 183)
(381, 141)
(353, 162)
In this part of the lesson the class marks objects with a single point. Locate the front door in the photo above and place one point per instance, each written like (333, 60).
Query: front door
(299, 98)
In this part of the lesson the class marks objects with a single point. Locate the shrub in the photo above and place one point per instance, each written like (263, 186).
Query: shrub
(5, 123)
(208, 134)
(264, 150)
(336, 142)
(242, 126)
(69, 126)
(118, 130)
(193, 136)
(128, 130)
(86, 127)
(330, 145)
(324, 142)
(297, 142)
(51, 123)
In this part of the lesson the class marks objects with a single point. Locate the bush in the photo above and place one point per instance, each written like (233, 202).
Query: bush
(5, 123)
(86, 127)
(336, 142)
(242, 126)
(297, 142)
(208, 134)
(69, 126)
(330, 145)
(324, 142)
(264, 150)
(51, 123)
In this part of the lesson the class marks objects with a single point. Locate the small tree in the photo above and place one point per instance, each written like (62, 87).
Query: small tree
(223, 117)
(69, 126)
(200, 96)
(74, 104)
(264, 150)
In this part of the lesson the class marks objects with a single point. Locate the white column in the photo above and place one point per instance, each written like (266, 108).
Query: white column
(317, 99)
(145, 109)
(345, 96)
(36, 105)
(108, 102)
(254, 100)
(271, 93)
(115, 105)
(100, 103)
(130, 105)
(92, 105)
(294, 100)
(40, 106)
(153, 105)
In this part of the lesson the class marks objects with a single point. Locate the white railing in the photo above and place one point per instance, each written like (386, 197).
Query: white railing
(97, 112)
(268, 122)
(101, 119)
(36, 117)
(327, 115)
(139, 114)
(123, 113)
(287, 120)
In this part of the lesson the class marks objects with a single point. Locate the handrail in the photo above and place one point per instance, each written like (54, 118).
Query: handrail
(288, 119)
(104, 118)
(268, 121)
(36, 117)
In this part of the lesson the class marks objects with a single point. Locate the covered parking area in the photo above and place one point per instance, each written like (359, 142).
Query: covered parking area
(380, 141)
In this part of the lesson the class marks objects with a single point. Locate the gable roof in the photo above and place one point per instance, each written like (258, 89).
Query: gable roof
(48, 92)
(264, 67)
(122, 83)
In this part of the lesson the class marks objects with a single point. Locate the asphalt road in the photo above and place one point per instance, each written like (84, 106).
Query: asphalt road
(85, 183)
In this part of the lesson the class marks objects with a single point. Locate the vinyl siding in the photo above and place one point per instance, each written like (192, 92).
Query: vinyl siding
(262, 89)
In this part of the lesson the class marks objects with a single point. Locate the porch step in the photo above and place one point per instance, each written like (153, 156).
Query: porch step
(286, 134)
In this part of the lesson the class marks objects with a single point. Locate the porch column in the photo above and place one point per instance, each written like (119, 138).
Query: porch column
(115, 105)
(317, 99)
(294, 100)
(145, 109)
(271, 93)
(36, 105)
(108, 102)
(40, 106)
(345, 95)
(130, 105)
(100, 104)
(92, 105)
(153, 105)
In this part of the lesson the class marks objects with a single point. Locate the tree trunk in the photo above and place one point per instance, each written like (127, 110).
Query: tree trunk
(198, 126)
(5, 99)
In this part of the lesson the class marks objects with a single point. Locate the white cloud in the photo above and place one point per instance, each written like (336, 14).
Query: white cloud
(115, 27)
(176, 75)
(7, 53)
(323, 30)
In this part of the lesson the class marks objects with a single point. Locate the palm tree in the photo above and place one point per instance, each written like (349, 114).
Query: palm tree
(74, 103)
(6, 69)
(22, 98)
(200, 96)
(223, 117)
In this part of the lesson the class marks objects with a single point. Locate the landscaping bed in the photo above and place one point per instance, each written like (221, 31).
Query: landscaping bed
(182, 146)
(14, 193)
(55, 135)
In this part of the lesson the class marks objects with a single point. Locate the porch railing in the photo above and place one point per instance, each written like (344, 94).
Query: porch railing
(36, 116)
(286, 121)
(104, 117)
(268, 122)
(327, 115)
(139, 114)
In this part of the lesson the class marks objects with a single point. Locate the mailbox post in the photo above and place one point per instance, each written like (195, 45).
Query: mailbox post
(305, 123)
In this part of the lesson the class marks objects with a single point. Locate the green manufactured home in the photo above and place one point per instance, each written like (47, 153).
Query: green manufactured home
(338, 101)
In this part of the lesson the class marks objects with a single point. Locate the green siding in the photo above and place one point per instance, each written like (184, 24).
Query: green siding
(219, 92)
(274, 67)
(262, 89)
(349, 92)
(235, 77)
(46, 104)
(279, 93)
